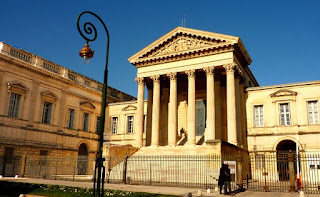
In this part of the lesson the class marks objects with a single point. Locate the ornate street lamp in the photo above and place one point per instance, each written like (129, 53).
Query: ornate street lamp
(86, 53)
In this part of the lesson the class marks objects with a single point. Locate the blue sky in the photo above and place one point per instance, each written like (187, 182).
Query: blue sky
(282, 37)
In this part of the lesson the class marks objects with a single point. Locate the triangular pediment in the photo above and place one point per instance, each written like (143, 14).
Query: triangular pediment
(129, 107)
(49, 96)
(283, 92)
(87, 104)
(182, 41)
(16, 84)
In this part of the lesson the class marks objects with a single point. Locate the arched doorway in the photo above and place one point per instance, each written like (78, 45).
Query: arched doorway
(284, 148)
(82, 159)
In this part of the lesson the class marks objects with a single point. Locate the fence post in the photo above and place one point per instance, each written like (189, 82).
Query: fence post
(125, 170)
(291, 173)
(239, 171)
(23, 165)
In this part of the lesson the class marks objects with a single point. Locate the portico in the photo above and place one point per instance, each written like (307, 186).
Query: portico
(195, 82)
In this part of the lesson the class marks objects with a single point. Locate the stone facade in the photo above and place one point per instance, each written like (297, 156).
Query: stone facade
(47, 109)
(187, 66)
(299, 123)
(195, 82)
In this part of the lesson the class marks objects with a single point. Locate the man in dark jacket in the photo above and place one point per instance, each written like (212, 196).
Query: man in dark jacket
(224, 179)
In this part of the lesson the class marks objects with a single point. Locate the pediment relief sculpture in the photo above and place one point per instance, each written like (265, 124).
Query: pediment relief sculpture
(183, 44)
(283, 92)
(17, 87)
(129, 107)
(49, 96)
(87, 104)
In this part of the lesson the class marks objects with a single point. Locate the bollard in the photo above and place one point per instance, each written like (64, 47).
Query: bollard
(239, 171)
(291, 173)
(199, 193)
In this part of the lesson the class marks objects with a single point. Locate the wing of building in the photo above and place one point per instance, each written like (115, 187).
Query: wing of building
(47, 109)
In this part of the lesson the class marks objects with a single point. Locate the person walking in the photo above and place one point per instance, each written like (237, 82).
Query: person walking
(224, 179)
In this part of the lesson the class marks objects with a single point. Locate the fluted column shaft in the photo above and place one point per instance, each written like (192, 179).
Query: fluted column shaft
(140, 110)
(191, 125)
(156, 111)
(149, 117)
(231, 105)
(211, 127)
(172, 131)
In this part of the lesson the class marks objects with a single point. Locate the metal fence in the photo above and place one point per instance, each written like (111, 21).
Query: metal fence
(201, 171)
(284, 172)
(268, 171)
(79, 169)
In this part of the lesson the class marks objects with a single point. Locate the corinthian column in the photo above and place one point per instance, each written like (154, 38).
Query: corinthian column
(231, 105)
(172, 132)
(155, 110)
(191, 122)
(211, 127)
(140, 110)
(149, 116)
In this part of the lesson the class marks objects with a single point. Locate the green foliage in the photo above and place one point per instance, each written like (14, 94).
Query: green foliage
(16, 188)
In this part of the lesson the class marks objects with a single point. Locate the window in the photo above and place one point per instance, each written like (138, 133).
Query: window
(46, 115)
(260, 161)
(14, 105)
(98, 124)
(313, 112)
(114, 128)
(284, 114)
(43, 157)
(86, 121)
(258, 116)
(130, 124)
(71, 118)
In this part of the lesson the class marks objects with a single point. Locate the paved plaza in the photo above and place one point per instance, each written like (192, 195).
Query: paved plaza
(156, 189)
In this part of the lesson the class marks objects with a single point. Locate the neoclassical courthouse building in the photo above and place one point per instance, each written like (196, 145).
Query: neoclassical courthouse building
(202, 98)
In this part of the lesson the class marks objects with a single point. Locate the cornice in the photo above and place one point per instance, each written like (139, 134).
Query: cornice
(185, 56)
(317, 82)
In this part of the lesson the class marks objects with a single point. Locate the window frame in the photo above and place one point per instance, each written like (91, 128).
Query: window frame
(16, 111)
(285, 113)
(114, 130)
(315, 120)
(128, 130)
(83, 121)
(261, 124)
(69, 120)
(47, 114)
(260, 161)
(20, 89)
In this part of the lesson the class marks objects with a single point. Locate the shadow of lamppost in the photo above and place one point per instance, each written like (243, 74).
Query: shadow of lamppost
(86, 53)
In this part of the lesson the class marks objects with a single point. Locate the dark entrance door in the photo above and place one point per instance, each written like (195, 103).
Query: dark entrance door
(284, 148)
(8, 162)
(82, 159)
(200, 117)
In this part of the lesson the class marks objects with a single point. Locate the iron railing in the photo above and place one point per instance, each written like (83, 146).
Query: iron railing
(269, 171)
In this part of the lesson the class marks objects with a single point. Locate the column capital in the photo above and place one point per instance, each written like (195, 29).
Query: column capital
(139, 80)
(191, 73)
(209, 71)
(155, 78)
(172, 76)
(230, 68)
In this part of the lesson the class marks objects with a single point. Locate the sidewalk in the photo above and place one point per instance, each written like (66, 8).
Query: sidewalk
(155, 189)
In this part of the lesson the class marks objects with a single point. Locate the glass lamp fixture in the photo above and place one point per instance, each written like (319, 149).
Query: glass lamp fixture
(86, 53)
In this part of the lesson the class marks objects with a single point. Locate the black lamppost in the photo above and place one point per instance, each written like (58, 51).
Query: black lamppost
(86, 53)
